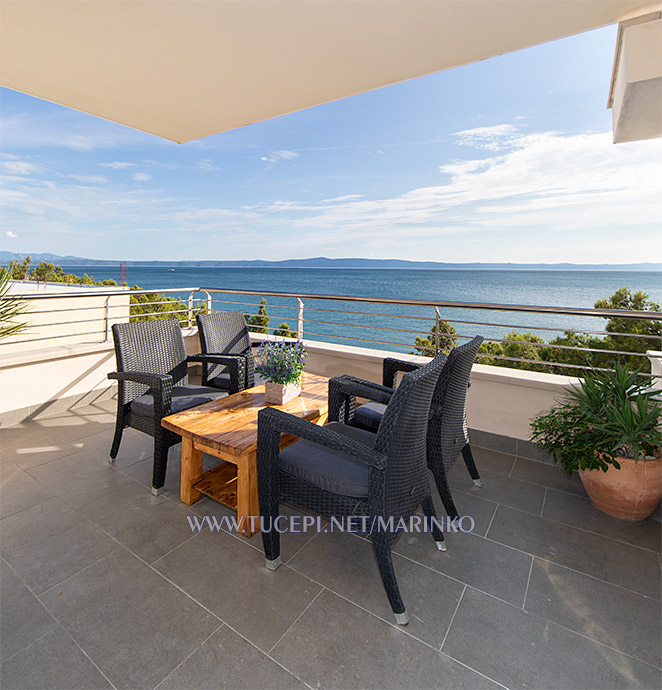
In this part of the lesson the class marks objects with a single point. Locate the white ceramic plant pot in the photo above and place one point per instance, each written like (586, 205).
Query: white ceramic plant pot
(280, 393)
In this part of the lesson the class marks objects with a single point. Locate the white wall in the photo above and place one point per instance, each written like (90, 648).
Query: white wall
(500, 401)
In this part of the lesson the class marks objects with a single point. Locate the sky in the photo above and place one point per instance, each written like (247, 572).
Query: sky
(507, 160)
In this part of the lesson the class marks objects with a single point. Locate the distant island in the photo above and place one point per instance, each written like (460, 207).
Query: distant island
(324, 262)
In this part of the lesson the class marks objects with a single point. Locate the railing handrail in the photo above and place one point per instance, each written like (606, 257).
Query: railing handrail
(487, 306)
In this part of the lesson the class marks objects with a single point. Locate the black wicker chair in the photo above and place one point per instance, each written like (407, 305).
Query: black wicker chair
(447, 429)
(152, 380)
(338, 470)
(225, 333)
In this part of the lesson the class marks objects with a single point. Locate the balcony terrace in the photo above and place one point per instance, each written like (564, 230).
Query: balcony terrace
(106, 585)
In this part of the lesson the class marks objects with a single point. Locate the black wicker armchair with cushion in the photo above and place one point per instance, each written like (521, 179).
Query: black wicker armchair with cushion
(340, 471)
(225, 333)
(447, 428)
(152, 378)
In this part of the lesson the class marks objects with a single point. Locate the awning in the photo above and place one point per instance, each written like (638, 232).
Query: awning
(185, 69)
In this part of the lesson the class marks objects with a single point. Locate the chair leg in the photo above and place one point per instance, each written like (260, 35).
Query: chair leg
(160, 464)
(471, 465)
(441, 480)
(117, 438)
(438, 535)
(382, 544)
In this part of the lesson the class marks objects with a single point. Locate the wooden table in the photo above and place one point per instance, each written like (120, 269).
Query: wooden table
(227, 429)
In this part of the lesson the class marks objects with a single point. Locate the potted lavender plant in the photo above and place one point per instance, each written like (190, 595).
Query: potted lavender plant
(281, 363)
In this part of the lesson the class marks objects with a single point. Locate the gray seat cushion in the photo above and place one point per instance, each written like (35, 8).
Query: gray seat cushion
(222, 381)
(183, 398)
(369, 415)
(332, 471)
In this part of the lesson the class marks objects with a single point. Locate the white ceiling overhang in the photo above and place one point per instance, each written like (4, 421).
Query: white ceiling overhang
(185, 69)
(636, 85)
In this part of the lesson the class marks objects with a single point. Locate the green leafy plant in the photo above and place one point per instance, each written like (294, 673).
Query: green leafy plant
(281, 361)
(609, 415)
(447, 340)
(259, 323)
(284, 331)
(11, 308)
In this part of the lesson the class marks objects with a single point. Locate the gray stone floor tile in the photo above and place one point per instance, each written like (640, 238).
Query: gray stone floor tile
(22, 617)
(50, 542)
(33, 446)
(134, 448)
(142, 472)
(74, 424)
(229, 577)
(135, 626)
(531, 451)
(149, 526)
(78, 478)
(346, 564)
(487, 460)
(483, 564)
(552, 476)
(471, 504)
(520, 650)
(621, 564)
(488, 441)
(616, 617)
(19, 490)
(337, 645)
(53, 661)
(580, 512)
(501, 489)
(226, 660)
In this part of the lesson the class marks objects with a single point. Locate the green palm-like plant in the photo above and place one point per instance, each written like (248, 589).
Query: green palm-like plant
(11, 308)
(609, 415)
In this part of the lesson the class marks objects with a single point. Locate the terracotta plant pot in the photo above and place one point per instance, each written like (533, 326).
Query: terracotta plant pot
(280, 393)
(631, 493)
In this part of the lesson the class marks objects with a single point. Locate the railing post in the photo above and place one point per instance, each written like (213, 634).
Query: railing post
(106, 317)
(300, 319)
(209, 305)
(437, 320)
(190, 310)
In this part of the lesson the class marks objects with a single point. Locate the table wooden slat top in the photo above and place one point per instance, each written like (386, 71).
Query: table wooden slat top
(229, 425)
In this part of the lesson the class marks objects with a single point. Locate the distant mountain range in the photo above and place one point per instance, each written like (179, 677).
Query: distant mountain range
(324, 262)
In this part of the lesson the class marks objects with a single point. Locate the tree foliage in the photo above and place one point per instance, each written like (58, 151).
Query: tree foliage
(428, 346)
(11, 308)
(284, 331)
(259, 323)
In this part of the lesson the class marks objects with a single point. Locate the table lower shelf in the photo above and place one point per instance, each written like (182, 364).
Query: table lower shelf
(220, 483)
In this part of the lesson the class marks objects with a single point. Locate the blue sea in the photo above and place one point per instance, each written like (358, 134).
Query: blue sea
(515, 287)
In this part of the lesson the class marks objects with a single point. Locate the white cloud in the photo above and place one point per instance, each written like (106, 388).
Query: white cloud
(10, 235)
(346, 197)
(549, 184)
(493, 138)
(276, 156)
(207, 166)
(89, 179)
(19, 167)
(141, 177)
(117, 165)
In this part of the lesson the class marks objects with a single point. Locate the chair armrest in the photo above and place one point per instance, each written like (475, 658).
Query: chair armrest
(393, 366)
(236, 364)
(151, 380)
(352, 385)
(160, 386)
(342, 396)
(271, 423)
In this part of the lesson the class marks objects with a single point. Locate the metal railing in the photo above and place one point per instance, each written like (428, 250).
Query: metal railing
(382, 323)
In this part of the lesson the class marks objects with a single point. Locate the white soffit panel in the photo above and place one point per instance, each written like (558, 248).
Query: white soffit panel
(185, 69)
(636, 88)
